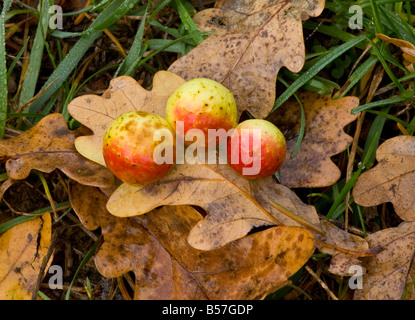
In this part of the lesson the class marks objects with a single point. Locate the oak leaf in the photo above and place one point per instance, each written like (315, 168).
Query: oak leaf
(252, 41)
(407, 48)
(22, 249)
(388, 272)
(324, 137)
(123, 95)
(392, 179)
(234, 206)
(49, 145)
(222, 215)
(311, 167)
(231, 210)
(154, 246)
(344, 247)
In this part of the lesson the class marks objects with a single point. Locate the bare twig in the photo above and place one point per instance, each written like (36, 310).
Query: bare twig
(45, 261)
(297, 218)
(322, 283)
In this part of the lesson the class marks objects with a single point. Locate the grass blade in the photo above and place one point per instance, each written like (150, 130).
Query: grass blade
(156, 44)
(376, 17)
(316, 68)
(359, 73)
(380, 103)
(32, 72)
(391, 117)
(377, 52)
(64, 69)
(158, 7)
(302, 126)
(110, 15)
(313, 85)
(35, 214)
(169, 44)
(188, 22)
(362, 222)
(402, 29)
(15, 221)
(88, 256)
(3, 69)
(373, 136)
(17, 58)
(127, 65)
(330, 31)
(92, 8)
(171, 31)
(350, 184)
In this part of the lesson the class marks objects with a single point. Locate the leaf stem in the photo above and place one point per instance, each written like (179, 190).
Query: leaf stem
(296, 218)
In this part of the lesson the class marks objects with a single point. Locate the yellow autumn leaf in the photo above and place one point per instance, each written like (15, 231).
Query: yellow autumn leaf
(22, 249)
(407, 48)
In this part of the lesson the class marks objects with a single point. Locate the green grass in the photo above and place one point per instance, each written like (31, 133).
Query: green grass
(36, 54)
(87, 257)
(315, 69)
(187, 35)
(3, 69)
(35, 214)
(390, 18)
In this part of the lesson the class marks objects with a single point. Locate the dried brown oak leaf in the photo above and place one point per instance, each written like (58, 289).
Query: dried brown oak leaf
(392, 179)
(49, 145)
(231, 210)
(234, 206)
(266, 190)
(324, 137)
(407, 48)
(154, 246)
(344, 247)
(123, 95)
(22, 249)
(252, 41)
(388, 272)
